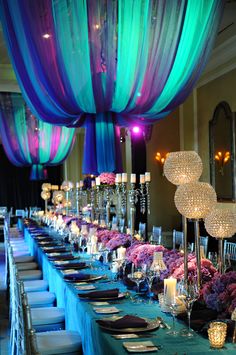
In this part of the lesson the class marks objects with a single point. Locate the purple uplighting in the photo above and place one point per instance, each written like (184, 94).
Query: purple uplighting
(136, 129)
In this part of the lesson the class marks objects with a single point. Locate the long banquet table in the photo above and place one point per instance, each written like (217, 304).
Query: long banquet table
(80, 316)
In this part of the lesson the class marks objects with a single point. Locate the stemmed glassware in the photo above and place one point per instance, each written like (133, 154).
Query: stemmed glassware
(188, 293)
(83, 242)
(137, 275)
(173, 305)
(150, 276)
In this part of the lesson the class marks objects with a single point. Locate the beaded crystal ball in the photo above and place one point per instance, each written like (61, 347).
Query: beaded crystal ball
(195, 200)
(221, 223)
(183, 167)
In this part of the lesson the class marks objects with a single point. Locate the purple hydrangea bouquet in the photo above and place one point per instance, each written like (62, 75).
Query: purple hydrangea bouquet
(220, 293)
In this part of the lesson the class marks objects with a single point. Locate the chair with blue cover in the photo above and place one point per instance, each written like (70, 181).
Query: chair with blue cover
(178, 239)
(156, 235)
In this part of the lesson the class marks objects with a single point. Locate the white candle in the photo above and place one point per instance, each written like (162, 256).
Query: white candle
(169, 290)
(92, 183)
(121, 253)
(124, 177)
(77, 185)
(202, 252)
(147, 177)
(81, 183)
(98, 182)
(142, 179)
(118, 178)
(133, 178)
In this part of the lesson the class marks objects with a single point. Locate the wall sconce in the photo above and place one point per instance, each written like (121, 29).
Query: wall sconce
(161, 159)
(222, 158)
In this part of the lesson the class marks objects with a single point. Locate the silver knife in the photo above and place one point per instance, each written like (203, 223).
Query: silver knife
(132, 336)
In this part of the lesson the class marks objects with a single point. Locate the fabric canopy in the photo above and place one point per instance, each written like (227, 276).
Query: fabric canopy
(29, 141)
(139, 59)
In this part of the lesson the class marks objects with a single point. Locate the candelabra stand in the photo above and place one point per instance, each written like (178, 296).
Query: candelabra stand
(108, 206)
(77, 191)
(123, 199)
(197, 251)
(92, 195)
(132, 200)
(99, 196)
(67, 203)
(144, 194)
(119, 201)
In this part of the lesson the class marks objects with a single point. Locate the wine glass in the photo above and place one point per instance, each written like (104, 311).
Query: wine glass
(83, 243)
(188, 293)
(150, 276)
(137, 276)
(173, 305)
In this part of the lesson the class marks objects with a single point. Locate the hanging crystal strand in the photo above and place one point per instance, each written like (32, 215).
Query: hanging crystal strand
(132, 198)
(123, 199)
(148, 197)
(142, 199)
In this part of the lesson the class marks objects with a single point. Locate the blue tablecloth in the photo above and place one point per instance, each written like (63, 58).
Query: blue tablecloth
(80, 316)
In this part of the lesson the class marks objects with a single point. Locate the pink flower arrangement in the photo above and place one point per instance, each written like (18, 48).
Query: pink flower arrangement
(120, 240)
(142, 253)
(107, 178)
(220, 293)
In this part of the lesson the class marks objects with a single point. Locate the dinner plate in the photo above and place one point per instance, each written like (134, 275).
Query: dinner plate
(85, 287)
(140, 346)
(152, 325)
(92, 278)
(119, 297)
(106, 310)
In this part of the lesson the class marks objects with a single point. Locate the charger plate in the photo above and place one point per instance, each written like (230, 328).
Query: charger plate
(152, 325)
(92, 278)
(104, 299)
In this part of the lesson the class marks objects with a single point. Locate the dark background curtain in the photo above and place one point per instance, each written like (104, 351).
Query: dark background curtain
(138, 147)
(16, 189)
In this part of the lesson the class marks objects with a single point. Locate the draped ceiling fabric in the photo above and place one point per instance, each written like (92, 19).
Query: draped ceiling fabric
(119, 62)
(29, 141)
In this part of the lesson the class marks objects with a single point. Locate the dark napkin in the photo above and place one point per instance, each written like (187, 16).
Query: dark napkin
(61, 257)
(55, 250)
(77, 277)
(71, 266)
(101, 294)
(199, 317)
(127, 321)
(46, 244)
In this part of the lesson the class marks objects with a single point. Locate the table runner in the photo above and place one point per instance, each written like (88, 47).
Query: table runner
(79, 315)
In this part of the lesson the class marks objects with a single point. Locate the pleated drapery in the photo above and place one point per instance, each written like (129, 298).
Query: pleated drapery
(136, 59)
(29, 141)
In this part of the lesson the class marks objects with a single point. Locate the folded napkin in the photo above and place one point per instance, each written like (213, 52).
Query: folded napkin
(127, 321)
(199, 317)
(77, 277)
(61, 257)
(101, 294)
(71, 266)
(55, 250)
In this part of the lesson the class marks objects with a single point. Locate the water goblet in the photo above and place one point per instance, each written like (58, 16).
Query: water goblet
(188, 293)
(150, 276)
(83, 243)
(172, 305)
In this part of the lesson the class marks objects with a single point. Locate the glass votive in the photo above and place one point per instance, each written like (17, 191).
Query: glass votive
(222, 326)
(160, 298)
(216, 337)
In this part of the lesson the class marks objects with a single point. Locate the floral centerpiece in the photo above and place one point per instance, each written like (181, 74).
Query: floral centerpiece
(107, 178)
(220, 293)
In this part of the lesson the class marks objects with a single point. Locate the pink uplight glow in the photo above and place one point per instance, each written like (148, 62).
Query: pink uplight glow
(136, 129)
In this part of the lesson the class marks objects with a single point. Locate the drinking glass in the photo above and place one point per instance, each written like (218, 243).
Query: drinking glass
(83, 243)
(188, 293)
(150, 276)
(173, 306)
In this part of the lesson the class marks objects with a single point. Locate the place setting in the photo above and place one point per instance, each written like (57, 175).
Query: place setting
(103, 295)
(76, 276)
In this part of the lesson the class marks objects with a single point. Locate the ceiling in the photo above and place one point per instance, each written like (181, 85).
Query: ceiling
(226, 31)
